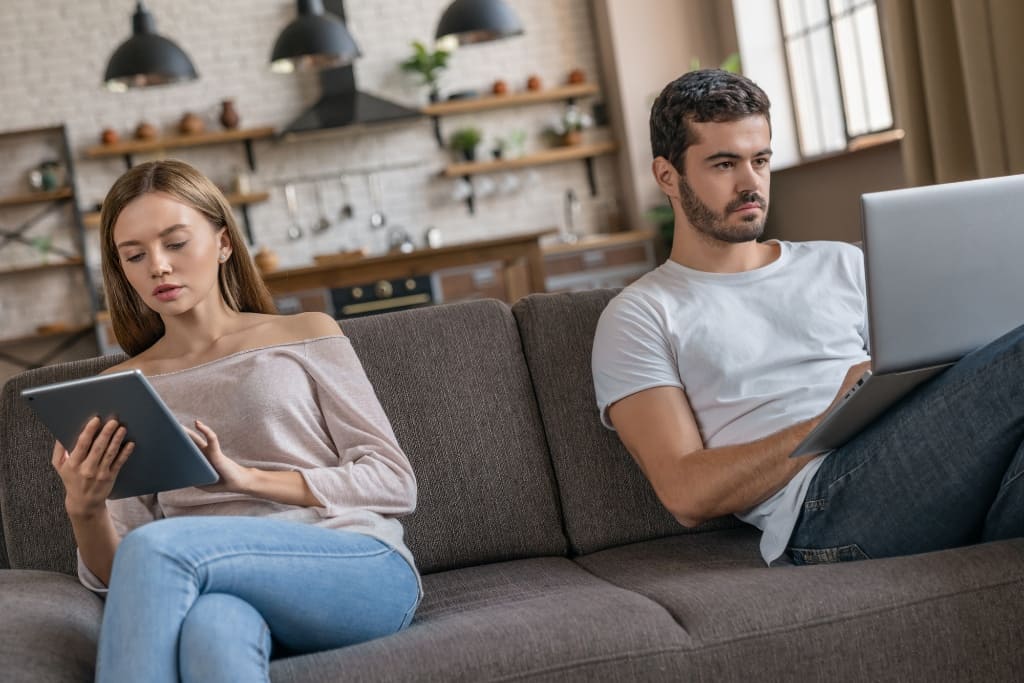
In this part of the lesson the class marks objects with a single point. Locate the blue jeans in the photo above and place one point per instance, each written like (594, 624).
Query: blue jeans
(942, 468)
(204, 598)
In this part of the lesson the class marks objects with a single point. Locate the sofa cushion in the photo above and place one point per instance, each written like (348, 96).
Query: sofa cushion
(539, 619)
(49, 627)
(920, 618)
(606, 500)
(454, 383)
(36, 530)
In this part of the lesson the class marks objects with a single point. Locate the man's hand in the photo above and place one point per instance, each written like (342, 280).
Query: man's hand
(89, 470)
(853, 376)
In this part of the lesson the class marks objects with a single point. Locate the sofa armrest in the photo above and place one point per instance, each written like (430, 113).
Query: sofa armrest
(49, 627)
(36, 531)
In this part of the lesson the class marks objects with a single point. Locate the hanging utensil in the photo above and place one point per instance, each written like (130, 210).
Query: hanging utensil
(346, 211)
(377, 218)
(292, 202)
(323, 223)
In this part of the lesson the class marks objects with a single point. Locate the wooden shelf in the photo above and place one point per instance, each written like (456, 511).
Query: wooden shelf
(92, 219)
(20, 270)
(469, 105)
(69, 330)
(36, 197)
(130, 147)
(549, 156)
(45, 130)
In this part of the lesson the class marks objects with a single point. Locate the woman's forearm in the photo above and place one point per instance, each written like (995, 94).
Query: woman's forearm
(97, 541)
(286, 487)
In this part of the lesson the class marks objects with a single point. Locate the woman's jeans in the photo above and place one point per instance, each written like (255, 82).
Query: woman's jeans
(942, 468)
(203, 598)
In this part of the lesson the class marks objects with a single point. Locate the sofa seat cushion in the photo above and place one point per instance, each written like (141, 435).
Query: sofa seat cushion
(921, 617)
(542, 619)
(49, 627)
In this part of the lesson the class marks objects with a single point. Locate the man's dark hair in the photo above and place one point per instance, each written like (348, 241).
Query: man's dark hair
(700, 96)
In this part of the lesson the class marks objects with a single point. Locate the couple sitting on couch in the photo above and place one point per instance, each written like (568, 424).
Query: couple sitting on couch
(298, 548)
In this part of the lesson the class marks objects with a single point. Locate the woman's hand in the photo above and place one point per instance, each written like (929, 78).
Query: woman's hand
(89, 470)
(234, 478)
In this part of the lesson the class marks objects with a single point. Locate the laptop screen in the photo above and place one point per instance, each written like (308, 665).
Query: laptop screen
(945, 269)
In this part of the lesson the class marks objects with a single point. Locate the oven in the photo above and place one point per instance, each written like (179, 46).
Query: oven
(383, 296)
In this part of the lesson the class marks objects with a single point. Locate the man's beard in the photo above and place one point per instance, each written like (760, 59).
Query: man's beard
(715, 225)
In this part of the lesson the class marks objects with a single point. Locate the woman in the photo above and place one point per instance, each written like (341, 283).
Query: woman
(298, 543)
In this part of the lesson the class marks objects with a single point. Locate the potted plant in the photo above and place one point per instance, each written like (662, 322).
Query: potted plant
(510, 145)
(44, 245)
(568, 128)
(464, 141)
(428, 64)
(663, 218)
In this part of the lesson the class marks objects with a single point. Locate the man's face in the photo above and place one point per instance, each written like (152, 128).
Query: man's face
(724, 190)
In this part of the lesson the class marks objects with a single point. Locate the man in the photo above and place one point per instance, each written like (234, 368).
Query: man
(714, 366)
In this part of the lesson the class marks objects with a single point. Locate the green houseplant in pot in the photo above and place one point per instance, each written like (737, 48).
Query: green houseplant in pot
(464, 142)
(428, 64)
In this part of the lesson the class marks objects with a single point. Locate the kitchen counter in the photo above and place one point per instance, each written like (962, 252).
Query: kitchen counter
(520, 255)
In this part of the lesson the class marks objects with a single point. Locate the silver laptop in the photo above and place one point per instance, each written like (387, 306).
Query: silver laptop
(945, 276)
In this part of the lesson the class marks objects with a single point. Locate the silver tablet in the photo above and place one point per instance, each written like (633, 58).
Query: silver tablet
(164, 458)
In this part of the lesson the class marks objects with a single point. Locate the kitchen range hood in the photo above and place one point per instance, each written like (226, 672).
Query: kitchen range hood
(341, 103)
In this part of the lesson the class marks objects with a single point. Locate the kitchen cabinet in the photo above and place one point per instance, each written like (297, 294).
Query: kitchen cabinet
(52, 257)
(596, 261)
(599, 261)
(568, 93)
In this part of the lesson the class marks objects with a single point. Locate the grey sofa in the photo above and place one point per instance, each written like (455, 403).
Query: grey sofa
(545, 553)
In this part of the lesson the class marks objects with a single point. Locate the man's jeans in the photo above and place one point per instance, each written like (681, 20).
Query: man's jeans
(942, 468)
(203, 598)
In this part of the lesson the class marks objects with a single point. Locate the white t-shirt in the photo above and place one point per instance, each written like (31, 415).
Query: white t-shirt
(756, 352)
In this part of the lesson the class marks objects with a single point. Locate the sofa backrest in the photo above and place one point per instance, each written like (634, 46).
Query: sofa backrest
(606, 500)
(453, 381)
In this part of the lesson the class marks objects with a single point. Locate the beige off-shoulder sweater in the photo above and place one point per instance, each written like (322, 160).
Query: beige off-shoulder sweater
(305, 406)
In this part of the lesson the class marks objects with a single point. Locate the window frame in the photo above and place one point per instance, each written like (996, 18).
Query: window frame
(805, 32)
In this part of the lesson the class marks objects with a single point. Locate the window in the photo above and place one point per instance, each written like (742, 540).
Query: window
(833, 55)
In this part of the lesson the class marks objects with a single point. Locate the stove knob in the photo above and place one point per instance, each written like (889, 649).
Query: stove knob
(384, 289)
(357, 292)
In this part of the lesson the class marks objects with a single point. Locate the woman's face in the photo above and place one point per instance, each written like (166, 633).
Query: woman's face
(170, 253)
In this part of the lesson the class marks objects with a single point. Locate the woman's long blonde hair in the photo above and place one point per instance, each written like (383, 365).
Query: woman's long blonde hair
(136, 326)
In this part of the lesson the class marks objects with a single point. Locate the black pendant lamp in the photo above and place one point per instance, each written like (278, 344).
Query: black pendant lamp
(477, 21)
(313, 40)
(147, 58)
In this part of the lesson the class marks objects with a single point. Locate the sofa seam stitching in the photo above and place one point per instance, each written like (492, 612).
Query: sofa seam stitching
(562, 521)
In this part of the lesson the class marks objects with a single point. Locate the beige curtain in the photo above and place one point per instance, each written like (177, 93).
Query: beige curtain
(956, 70)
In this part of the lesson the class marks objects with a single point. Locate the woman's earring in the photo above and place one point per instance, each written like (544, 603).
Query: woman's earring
(223, 258)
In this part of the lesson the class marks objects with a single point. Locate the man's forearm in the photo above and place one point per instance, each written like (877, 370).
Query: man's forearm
(731, 479)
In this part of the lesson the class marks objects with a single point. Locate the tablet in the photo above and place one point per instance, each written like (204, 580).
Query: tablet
(164, 458)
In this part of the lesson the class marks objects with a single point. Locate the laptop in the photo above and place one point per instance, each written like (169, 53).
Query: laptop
(945, 275)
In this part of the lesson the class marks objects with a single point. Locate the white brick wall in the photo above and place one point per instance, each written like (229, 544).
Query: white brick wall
(53, 54)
